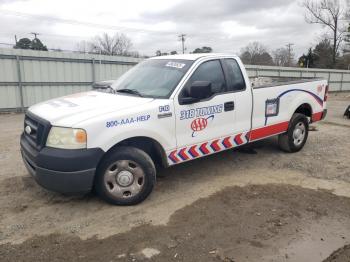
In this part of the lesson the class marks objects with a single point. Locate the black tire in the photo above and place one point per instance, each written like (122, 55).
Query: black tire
(288, 141)
(113, 187)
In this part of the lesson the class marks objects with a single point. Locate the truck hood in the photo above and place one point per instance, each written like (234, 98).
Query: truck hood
(72, 109)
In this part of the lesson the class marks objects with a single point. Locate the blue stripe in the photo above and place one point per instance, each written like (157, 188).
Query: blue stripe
(200, 149)
(189, 151)
(183, 158)
(320, 100)
(172, 159)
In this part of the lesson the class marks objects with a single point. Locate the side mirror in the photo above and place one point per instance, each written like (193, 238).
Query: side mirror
(197, 91)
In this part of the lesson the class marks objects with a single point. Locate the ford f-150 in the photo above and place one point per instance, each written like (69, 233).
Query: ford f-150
(164, 111)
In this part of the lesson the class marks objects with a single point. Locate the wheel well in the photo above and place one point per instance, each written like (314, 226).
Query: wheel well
(148, 145)
(304, 109)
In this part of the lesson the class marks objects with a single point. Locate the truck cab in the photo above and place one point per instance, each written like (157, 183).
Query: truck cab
(164, 111)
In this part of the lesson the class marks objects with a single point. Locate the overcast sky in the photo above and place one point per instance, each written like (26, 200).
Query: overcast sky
(224, 25)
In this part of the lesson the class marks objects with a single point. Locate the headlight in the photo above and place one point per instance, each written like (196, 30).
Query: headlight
(67, 138)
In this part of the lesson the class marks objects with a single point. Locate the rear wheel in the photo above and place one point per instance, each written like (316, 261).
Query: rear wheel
(295, 137)
(125, 177)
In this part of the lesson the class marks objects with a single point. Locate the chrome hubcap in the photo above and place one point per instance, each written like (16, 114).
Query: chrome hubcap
(124, 179)
(299, 133)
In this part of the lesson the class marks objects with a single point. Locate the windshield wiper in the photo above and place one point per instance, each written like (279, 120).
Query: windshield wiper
(129, 91)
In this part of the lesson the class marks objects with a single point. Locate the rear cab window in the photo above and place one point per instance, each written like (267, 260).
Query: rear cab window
(235, 79)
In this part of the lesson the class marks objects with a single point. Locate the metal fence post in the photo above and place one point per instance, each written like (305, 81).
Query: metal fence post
(341, 81)
(93, 71)
(20, 86)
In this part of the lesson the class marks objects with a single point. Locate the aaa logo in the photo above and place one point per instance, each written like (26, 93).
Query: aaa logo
(200, 124)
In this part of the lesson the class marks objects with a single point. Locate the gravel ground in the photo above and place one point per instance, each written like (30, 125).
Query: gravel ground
(236, 224)
(253, 204)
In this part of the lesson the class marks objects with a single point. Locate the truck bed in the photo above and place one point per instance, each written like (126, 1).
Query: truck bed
(288, 95)
(264, 82)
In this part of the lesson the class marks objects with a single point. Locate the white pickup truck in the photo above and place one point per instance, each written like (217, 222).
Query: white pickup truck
(162, 112)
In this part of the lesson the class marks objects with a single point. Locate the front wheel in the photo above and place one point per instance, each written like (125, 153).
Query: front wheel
(295, 137)
(126, 176)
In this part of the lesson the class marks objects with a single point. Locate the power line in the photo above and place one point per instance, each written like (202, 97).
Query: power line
(50, 35)
(7, 44)
(289, 47)
(182, 39)
(35, 34)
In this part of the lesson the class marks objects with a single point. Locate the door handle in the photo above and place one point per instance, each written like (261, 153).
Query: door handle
(164, 115)
(229, 106)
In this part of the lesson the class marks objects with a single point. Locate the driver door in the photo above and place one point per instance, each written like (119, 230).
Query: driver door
(200, 124)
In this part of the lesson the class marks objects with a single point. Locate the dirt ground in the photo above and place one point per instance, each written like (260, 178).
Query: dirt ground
(253, 204)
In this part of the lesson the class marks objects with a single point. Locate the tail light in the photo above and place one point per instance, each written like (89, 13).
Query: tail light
(326, 93)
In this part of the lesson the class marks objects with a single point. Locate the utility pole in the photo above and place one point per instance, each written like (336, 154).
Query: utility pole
(35, 34)
(182, 39)
(289, 47)
(16, 39)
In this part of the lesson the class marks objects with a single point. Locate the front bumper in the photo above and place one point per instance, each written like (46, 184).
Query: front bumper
(61, 170)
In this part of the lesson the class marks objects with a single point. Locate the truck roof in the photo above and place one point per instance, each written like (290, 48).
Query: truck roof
(193, 56)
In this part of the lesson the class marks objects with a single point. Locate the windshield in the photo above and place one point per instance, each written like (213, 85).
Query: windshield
(153, 78)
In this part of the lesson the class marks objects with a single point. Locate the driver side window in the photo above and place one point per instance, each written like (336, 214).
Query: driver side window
(210, 71)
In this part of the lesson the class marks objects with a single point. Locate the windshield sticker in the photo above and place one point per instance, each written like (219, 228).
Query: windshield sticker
(127, 121)
(200, 112)
(175, 65)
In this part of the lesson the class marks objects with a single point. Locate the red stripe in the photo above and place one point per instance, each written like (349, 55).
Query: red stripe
(193, 151)
(238, 139)
(227, 142)
(173, 156)
(268, 130)
(317, 116)
(215, 146)
(183, 154)
(204, 149)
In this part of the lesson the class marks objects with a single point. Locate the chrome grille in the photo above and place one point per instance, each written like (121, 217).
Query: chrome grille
(36, 130)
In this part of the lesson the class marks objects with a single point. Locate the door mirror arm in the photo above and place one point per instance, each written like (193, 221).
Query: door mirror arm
(188, 100)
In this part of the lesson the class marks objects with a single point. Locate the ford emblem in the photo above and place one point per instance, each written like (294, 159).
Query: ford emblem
(28, 130)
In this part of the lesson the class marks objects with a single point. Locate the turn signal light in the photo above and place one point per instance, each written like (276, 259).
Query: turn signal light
(80, 136)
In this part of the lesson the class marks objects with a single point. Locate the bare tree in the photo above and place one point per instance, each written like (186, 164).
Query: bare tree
(283, 57)
(256, 54)
(119, 44)
(329, 13)
(82, 47)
